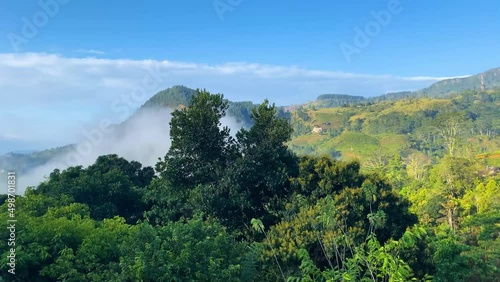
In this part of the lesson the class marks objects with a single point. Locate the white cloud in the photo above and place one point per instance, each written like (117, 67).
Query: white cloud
(10, 136)
(50, 97)
(429, 78)
(91, 51)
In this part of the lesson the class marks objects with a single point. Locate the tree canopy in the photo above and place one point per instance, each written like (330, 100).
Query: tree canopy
(242, 206)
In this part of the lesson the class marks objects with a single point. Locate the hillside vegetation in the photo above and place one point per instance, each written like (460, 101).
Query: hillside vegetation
(412, 126)
(444, 88)
(180, 96)
(220, 206)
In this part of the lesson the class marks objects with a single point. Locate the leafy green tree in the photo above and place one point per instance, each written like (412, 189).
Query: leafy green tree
(256, 184)
(47, 242)
(354, 260)
(375, 195)
(480, 233)
(262, 172)
(450, 126)
(200, 148)
(111, 186)
(65, 244)
(330, 228)
(97, 258)
(166, 202)
(484, 198)
(322, 176)
(396, 172)
(452, 177)
(181, 251)
(200, 152)
(450, 265)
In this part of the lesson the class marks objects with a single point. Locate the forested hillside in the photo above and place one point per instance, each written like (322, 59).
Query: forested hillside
(336, 100)
(24, 162)
(180, 96)
(467, 124)
(245, 207)
(444, 88)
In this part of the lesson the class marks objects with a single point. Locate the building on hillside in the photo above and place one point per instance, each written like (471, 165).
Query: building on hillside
(317, 129)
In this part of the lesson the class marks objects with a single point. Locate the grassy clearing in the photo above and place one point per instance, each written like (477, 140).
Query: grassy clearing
(308, 139)
(416, 105)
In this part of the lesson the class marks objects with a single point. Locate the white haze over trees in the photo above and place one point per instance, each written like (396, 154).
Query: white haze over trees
(143, 138)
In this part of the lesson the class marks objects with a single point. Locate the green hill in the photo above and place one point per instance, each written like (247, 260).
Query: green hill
(170, 98)
(25, 162)
(180, 96)
(490, 79)
(404, 127)
(444, 88)
(337, 100)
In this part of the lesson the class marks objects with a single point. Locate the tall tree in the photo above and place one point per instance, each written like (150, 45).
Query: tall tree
(200, 145)
(452, 177)
(450, 126)
(260, 178)
(198, 157)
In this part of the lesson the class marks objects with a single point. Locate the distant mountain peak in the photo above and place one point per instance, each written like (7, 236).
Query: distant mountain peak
(444, 88)
(173, 97)
(481, 81)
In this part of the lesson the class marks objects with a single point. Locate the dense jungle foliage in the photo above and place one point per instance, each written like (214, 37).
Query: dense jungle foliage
(246, 207)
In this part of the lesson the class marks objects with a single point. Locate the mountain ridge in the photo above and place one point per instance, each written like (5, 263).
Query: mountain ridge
(180, 95)
(486, 80)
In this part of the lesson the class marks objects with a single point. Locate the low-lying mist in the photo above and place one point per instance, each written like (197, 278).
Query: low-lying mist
(144, 138)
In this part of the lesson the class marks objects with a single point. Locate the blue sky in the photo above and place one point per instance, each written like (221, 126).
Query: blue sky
(88, 53)
(432, 38)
